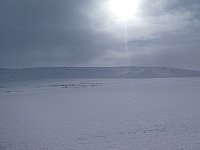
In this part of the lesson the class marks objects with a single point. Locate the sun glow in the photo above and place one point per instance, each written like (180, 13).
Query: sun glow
(124, 9)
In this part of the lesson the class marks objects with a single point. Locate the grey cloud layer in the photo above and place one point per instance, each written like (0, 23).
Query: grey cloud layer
(84, 33)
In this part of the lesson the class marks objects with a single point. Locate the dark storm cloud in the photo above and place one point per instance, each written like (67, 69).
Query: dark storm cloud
(82, 32)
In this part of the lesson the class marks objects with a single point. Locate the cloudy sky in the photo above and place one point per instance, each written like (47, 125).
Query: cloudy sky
(37, 33)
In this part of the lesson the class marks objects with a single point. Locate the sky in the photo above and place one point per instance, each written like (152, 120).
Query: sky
(50, 33)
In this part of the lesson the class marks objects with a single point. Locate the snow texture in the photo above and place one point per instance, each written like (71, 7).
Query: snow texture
(101, 114)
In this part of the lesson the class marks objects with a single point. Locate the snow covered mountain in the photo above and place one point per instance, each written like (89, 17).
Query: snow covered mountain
(24, 74)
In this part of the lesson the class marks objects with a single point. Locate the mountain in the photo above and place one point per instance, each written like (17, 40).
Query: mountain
(24, 74)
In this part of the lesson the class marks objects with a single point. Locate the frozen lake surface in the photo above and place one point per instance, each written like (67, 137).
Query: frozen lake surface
(104, 114)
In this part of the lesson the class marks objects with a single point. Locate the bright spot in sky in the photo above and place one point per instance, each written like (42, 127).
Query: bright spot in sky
(124, 9)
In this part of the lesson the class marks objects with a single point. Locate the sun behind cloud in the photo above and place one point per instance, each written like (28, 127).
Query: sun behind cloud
(124, 9)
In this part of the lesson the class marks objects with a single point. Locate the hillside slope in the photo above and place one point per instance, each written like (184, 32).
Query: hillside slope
(93, 72)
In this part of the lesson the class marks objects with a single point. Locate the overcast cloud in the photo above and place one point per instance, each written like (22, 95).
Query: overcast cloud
(36, 33)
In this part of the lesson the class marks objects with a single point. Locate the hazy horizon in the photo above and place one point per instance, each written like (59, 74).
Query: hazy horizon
(95, 67)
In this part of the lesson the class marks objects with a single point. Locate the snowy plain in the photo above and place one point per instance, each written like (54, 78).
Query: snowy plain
(101, 114)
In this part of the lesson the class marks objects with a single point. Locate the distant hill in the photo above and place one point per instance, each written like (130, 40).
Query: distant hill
(93, 72)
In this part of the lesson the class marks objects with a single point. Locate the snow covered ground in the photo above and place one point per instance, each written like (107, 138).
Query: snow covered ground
(101, 114)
